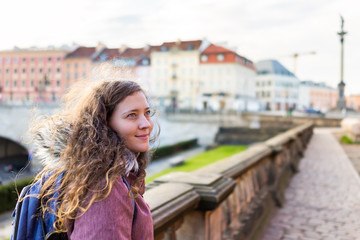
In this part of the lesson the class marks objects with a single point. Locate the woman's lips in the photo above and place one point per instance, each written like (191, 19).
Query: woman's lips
(143, 137)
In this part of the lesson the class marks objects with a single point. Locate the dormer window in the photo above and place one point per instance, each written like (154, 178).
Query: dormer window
(204, 58)
(145, 62)
(220, 57)
(190, 47)
(164, 48)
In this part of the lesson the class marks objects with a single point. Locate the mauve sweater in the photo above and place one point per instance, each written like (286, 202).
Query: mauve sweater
(112, 218)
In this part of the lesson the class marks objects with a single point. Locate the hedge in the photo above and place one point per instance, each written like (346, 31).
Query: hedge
(172, 149)
(8, 195)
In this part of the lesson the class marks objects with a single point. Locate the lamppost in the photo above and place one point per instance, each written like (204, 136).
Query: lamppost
(42, 87)
(174, 92)
(341, 104)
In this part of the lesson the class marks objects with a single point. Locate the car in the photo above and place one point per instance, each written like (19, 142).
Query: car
(313, 111)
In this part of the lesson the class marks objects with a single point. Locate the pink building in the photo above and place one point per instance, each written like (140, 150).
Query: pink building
(31, 75)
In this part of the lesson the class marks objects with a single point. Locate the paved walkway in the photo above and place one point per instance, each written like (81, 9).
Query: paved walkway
(323, 199)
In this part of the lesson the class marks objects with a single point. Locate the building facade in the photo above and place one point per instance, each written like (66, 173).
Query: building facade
(353, 102)
(226, 81)
(317, 96)
(78, 64)
(31, 75)
(276, 86)
(175, 73)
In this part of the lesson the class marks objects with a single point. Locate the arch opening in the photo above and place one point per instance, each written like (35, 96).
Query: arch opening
(13, 156)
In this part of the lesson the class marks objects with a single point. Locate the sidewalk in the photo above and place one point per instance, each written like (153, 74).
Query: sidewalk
(323, 199)
(5, 225)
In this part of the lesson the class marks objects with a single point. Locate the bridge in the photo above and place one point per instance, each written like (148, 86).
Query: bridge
(297, 185)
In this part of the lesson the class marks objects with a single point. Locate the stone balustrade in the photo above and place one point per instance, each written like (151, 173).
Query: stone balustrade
(229, 199)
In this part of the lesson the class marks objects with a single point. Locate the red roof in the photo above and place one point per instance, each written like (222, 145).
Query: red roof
(183, 45)
(81, 52)
(217, 49)
(134, 53)
(214, 49)
(107, 54)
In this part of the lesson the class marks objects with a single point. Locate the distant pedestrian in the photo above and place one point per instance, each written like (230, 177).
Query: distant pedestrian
(100, 142)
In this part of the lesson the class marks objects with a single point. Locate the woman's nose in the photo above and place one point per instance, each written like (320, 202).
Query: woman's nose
(144, 122)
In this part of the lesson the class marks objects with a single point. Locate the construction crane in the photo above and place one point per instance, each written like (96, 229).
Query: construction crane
(296, 55)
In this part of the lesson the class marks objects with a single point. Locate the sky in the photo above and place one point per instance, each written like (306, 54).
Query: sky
(257, 29)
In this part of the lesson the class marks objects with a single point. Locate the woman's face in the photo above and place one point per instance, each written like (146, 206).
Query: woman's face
(131, 120)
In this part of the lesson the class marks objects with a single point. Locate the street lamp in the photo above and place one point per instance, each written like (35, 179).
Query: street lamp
(341, 104)
(42, 87)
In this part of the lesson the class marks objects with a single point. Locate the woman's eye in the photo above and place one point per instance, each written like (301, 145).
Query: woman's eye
(131, 115)
(148, 113)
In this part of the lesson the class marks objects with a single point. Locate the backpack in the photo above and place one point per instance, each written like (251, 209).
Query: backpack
(29, 223)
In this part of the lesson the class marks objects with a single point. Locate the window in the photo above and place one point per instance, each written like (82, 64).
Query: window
(7, 83)
(32, 59)
(58, 70)
(32, 70)
(15, 83)
(68, 65)
(49, 59)
(84, 64)
(0, 59)
(58, 59)
(84, 75)
(15, 70)
(220, 57)
(190, 47)
(7, 60)
(7, 70)
(58, 83)
(49, 70)
(24, 59)
(269, 83)
(204, 58)
(145, 62)
(23, 83)
(24, 70)
(164, 48)
(75, 65)
(75, 75)
(16, 60)
(67, 76)
(32, 83)
(40, 70)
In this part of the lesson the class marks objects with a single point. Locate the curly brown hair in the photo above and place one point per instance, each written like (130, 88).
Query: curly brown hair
(93, 155)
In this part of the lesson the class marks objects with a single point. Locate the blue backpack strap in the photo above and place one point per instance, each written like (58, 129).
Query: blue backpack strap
(17, 212)
(133, 200)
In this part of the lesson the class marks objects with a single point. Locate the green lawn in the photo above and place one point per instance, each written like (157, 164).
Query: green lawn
(202, 160)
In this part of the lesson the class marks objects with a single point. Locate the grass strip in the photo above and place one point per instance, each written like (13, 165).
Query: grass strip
(201, 160)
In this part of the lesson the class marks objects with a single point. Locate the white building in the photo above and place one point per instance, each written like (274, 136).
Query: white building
(175, 73)
(276, 86)
(227, 81)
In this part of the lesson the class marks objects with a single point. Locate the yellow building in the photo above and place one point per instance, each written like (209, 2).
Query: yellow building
(175, 73)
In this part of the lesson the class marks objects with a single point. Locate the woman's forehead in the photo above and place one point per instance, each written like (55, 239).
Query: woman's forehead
(136, 100)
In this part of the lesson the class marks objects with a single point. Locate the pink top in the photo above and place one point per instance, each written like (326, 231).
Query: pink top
(112, 218)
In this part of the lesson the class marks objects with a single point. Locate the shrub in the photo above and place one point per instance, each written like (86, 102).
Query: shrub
(8, 194)
(172, 149)
(345, 139)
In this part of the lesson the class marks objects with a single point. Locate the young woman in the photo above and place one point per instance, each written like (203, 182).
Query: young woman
(99, 146)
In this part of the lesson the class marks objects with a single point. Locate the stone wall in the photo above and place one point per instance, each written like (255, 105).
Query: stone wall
(230, 199)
